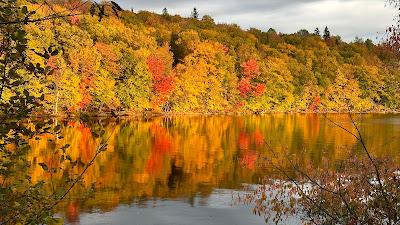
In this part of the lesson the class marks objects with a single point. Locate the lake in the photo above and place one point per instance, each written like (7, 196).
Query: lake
(187, 169)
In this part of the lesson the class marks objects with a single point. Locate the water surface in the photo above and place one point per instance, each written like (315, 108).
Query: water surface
(183, 170)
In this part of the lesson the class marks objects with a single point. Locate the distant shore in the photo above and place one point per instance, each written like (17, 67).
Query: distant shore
(151, 114)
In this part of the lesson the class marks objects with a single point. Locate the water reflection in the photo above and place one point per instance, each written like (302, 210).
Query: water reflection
(187, 158)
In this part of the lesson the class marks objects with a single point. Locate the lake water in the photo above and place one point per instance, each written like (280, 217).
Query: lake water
(185, 169)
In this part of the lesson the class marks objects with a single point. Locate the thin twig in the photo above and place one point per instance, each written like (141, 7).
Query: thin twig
(49, 17)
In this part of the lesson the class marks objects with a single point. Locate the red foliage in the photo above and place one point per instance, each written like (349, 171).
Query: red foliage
(240, 104)
(259, 89)
(156, 66)
(245, 87)
(248, 160)
(250, 69)
(72, 213)
(315, 104)
(163, 85)
(161, 146)
(162, 82)
(77, 6)
(71, 123)
(258, 138)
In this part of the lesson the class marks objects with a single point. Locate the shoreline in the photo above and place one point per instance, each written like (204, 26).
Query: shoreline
(171, 114)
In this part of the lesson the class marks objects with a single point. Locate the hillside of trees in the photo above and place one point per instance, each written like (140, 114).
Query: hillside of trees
(132, 62)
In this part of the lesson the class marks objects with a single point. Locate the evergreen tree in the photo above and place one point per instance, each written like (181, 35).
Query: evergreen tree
(316, 32)
(165, 12)
(195, 14)
(303, 32)
(327, 34)
(271, 31)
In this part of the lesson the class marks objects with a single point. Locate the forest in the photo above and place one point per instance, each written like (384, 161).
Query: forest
(129, 62)
(84, 58)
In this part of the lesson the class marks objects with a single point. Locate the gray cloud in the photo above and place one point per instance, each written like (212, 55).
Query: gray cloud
(347, 18)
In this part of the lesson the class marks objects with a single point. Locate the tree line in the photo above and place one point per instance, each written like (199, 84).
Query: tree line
(122, 61)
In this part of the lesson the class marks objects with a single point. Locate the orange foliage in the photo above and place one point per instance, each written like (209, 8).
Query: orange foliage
(244, 141)
(85, 62)
(258, 137)
(110, 58)
(259, 89)
(84, 90)
(72, 212)
(315, 104)
(86, 145)
(250, 69)
(74, 20)
(248, 142)
(248, 160)
(52, 62)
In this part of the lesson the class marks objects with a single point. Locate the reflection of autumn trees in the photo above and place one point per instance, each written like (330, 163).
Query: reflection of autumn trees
(160, 148)
(248, 155)
(180, 157)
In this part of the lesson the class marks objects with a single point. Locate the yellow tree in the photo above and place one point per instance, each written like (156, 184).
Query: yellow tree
(278, 83)
(344, 93)
(206, 79)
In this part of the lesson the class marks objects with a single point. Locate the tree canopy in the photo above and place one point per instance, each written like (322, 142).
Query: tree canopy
(135, 62)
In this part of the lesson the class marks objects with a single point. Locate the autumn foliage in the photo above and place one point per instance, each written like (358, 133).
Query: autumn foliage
(135, 62)
(248, 85)
(250, 69)
(162, 81)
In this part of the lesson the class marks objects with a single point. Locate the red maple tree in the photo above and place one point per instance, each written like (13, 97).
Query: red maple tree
(162, 81)
(248, 85)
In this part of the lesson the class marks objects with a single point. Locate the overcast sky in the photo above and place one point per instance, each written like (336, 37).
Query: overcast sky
(347, 18)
